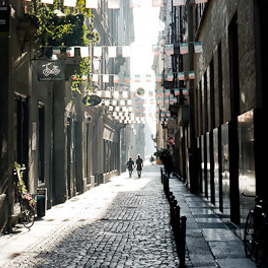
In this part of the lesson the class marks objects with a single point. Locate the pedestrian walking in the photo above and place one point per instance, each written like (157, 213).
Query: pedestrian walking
(130, 166)
(152, 160)
(139, 165)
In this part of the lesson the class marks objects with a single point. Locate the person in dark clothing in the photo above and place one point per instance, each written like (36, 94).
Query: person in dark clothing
(168, 164)
(130, 165)
(139, 165)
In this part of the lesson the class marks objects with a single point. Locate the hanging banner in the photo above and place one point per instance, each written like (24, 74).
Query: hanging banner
(50, 2)
(137, 78)
(84, 52)
(50, 71)
(167, 93)
(184, 48)
(191, 75)
(113, 4)
(178, 3)
(198, 47)
(95, 77)
(70, 3)
(127, 78)
(169, 76)
(91, 100)
(200, 1)
(135, 3)
(105, 78)
(181, 76)
(148, 78)
(169, 49)
(157, 3)
(92, 3)
(158, 78)
(156, 50)
(116, 78)
(176, 91)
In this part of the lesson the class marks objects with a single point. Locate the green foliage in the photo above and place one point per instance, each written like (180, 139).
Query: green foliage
(20, 183)
(22, 187)
(162, 153)
(58, 26)
(83, 71)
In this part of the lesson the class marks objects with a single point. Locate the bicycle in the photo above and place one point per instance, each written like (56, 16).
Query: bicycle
(47, 71)
(256, 233)
(27, 200)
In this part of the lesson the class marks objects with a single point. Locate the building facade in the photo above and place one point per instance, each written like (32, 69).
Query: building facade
(67, 147)
(227, 102)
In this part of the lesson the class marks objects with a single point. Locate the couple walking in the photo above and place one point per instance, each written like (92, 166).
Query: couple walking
(131, 165)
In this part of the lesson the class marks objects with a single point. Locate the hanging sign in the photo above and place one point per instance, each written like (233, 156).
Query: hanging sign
(91, 100)
(50, 71)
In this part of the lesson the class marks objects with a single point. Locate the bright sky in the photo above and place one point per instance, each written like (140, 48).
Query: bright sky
(146, 20)
(146, 26)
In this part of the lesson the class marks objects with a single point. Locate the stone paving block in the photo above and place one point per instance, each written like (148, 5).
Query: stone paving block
(129, 227)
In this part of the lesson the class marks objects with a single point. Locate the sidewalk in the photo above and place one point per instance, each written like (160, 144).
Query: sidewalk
(210, 243)
(124, 223)
(121, 224)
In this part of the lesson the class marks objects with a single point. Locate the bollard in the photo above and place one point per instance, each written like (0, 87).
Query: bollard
(166, 185)
(177, 224)
(173, 204)
(182, 242)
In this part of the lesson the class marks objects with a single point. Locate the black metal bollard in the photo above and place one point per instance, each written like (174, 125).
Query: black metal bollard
(162, 175)
(177, 224)
(166, 185)
(173, 204)
(182, 242)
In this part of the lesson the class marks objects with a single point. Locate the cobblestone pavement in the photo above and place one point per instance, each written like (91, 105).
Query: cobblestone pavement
(124, 223)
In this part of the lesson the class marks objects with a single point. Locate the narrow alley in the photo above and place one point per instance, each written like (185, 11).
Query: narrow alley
(124, 223)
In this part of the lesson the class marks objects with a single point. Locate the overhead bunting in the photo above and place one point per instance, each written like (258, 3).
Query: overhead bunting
(170, 76)
(70, 3)
(158, 78)
(198, 47)
(92, 3)
(169, 49)
(184, 48)
(105, 78)
(178, 2)
(116, 78)
(156, 50)
(157, 3)
(113, 4)
(181, 76)
(50, 2)
(200, 1)
(127, 78)
(191, 75)
(135, 3)
(148, 78)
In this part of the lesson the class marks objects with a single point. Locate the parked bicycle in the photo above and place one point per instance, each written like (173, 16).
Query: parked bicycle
(27, 200)
(256, 233)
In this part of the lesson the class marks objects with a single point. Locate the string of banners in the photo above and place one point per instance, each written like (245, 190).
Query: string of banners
(113, 51)
(184, 48)
(115, 4)
(125, 51)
